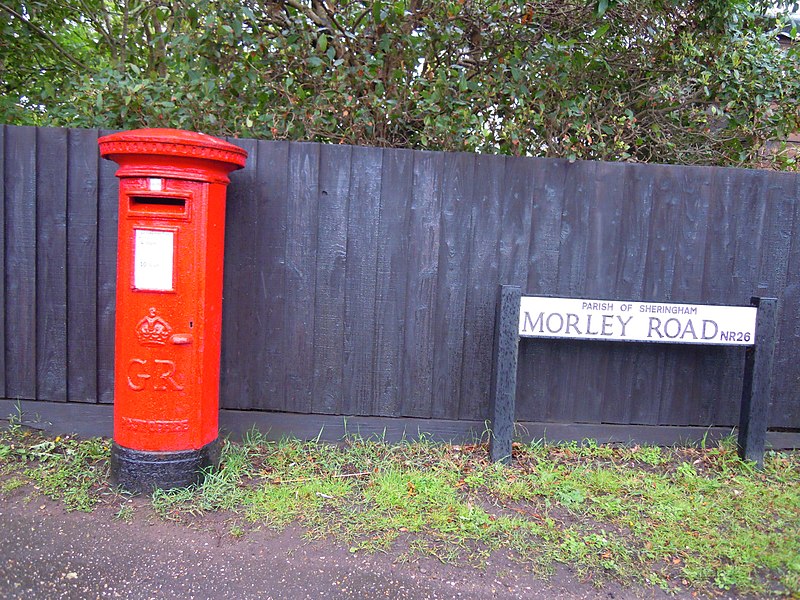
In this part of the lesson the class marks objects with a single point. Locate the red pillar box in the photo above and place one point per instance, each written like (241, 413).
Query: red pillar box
(169, 303)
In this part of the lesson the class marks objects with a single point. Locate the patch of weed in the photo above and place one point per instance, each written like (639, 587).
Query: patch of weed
(125, 513)
(11, 484)
(67, 469)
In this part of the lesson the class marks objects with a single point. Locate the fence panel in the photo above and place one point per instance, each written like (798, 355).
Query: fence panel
(363, 281)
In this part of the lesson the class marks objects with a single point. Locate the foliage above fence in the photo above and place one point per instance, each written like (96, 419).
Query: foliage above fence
(692, 83)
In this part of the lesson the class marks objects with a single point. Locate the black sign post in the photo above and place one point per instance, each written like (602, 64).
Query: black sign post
(504, 373)
(758, 366)
(754, 412)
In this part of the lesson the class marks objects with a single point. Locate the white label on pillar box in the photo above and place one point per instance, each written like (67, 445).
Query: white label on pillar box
(625, 321)
(153, 260)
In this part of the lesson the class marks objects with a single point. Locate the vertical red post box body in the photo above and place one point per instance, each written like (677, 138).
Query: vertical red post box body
(169, 303)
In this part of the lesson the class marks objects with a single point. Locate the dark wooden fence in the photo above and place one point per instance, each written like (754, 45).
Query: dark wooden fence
(362, 281)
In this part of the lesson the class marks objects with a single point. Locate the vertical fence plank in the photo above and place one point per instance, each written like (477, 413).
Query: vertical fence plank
(664, 225)
(720, 238)
(550, 180)
(595, 363)
(20, 314)
(548, 205)
(360, 322)
(746, 222)
(681, 215)
(786, 380)
(572, 375)
(637, 199)
(391, 282)
(773, 255)
(575, 223)
(301, 269)
(515, 230)
(758, 265)
(694, 185)
(774, 276)
(329, 308)
(638, 374)
(618, 392)
(482, 280)
(718, 287)
(51, 268)
(693, 398)
(272, 181)
(423, 264)
(601, 216)
(604, 203)
(751, 230)
(107, 215)
(82, 168)
(3, 185)
(242, 312)
(605, 206)
(659, 279)
(451, 293)
(647, 364)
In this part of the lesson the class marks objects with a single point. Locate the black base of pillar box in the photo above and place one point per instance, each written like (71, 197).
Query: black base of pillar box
(141, 472)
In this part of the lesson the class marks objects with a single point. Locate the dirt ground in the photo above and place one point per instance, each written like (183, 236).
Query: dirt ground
(47, 553)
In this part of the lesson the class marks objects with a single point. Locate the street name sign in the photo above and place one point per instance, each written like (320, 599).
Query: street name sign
(627, 321)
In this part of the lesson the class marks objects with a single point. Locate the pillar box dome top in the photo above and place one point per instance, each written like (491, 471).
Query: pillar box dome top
(172, 153)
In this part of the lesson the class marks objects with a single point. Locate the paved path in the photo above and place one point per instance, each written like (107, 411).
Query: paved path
(47, 553)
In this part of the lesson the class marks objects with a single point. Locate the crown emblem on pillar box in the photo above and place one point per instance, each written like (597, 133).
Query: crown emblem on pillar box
(152, 330)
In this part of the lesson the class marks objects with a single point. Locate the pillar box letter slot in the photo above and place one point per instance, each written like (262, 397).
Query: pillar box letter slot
(169, 303)
(157, 206)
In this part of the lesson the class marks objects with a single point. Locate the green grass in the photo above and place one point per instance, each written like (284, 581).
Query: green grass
(697, 519)
(67, 469)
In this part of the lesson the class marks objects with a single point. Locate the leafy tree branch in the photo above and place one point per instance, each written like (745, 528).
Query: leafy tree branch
(45, 36)
(698, 82)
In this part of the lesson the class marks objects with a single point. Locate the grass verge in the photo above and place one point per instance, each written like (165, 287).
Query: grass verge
(697, 519)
